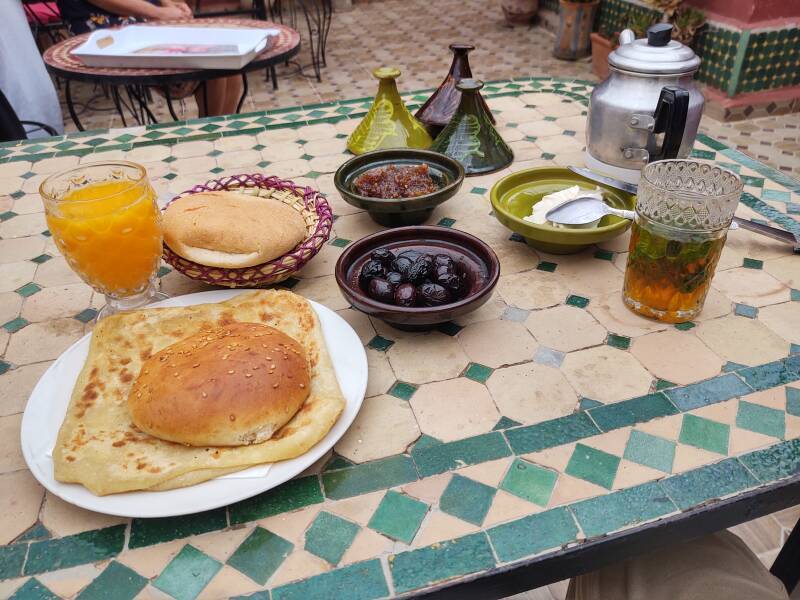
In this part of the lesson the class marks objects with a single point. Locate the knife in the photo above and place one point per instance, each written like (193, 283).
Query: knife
(787, 237)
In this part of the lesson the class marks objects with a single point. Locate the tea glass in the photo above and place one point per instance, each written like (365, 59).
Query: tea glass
(683, 211)
(104, 219)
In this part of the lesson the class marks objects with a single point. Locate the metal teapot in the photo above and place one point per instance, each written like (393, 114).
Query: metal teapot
(650, 91)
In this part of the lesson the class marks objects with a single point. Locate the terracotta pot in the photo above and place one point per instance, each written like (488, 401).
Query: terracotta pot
(519, 12)
(601, 48)
(574, 26)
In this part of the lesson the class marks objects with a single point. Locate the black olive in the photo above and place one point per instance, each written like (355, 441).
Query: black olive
(380, 290)
(442, 260)
(433, 294)
(394, 278)
(412, 255)
(370, 270)
(383, 256)
(402, 264)
(451, 281)
(421, 270)
(405, 295)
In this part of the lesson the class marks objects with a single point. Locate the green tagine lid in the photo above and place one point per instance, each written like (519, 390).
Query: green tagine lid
(388, 124)
(470, 137)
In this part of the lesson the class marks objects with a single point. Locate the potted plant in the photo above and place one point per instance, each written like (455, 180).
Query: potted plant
(575, 19)
(686, 21)
(603, 43)
(519, 12)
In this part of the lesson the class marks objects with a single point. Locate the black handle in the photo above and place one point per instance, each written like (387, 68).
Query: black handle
(659, 34)
(670, 119)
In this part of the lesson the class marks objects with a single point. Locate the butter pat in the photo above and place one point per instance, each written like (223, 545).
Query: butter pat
(556, 199)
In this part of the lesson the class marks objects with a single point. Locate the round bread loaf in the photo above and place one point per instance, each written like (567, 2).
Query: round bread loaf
(232, 386)
(230, 229)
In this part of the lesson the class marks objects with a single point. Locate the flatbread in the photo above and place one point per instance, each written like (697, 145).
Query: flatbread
(99, 447)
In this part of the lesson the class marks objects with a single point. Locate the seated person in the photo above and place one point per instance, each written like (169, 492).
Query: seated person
(82, 16)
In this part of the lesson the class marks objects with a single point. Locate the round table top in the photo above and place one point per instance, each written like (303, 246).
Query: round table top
(62, 62)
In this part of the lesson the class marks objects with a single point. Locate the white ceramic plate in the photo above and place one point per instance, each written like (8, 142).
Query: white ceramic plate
(48, 405)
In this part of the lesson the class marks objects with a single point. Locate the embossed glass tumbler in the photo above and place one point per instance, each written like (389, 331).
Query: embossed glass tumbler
(104, 220)
(470, 137)
(683, 211)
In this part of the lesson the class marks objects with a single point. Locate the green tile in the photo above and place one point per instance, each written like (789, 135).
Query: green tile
(361, 581)
(294, 494)
(330, 536)
(86, 315)
(505, 423)
(650, 451)
(548, 155)
(663, 384)
(743, 310)
(11, 559)
(578, 301)
(611, 512)
(15, 325)
(467, 499)
(478, 190)
(548, 434)
(593, 465)
(685, 326)
(711, 391)
(793, 401)
(4, 367)
(443, 457)
(772, 374)
(398, 516)
(618, 341)
(420, 568)
(402, 390)
(778, 195)
(42, 258)
(752, 263)
(604, 255)
(449, 328)
(380, 344)
(368, 477)
(446, 222)
(704, 433)
(37, 532)
(587, 403)
(33, 590)
(260, 554)
(116, 582)
(704, 154)
(478, 372)
(73, 550)
(146, 532)
(187, 574)
(338, 462)
(705, 483)
(9, 214)
(533, 534)
(761, 419)
(547, 266)
(530, 482)
(29, 289)
(340, 242)
(776, 462)
(630, 412)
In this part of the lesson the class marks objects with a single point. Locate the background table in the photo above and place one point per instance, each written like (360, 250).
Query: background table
(62, 63)
(547, 433)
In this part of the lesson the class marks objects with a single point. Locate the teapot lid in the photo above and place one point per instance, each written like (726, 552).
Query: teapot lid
(658, 54)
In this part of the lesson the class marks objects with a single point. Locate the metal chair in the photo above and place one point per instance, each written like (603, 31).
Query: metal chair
(12, 129)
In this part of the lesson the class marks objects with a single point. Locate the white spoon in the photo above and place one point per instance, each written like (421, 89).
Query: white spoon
(584, 211)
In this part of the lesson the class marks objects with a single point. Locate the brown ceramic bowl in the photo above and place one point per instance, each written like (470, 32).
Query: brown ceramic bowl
(481, 265)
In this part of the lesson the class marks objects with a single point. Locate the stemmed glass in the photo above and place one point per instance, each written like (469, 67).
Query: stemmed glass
(104, 219)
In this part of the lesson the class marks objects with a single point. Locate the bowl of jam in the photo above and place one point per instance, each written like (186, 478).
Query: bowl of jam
(399, 186)
(415, 278)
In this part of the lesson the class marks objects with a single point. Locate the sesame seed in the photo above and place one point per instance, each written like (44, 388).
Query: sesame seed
(272, 366)
(302, 385)
(274, 385)
(232, 417)
(231, 372)
(195, 365)
(248, 374)
(205, 395)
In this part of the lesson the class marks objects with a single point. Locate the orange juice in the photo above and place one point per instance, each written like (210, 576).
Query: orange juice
(109, 232)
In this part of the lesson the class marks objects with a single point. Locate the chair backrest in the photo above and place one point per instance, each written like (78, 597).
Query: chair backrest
(11, 128)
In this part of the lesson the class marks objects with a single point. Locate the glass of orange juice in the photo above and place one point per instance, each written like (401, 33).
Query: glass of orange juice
(105, 221)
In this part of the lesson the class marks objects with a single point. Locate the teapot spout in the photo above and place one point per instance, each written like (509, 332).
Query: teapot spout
(626, 37)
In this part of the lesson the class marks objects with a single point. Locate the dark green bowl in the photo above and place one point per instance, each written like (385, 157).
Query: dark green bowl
(446, 172)
(513, 197)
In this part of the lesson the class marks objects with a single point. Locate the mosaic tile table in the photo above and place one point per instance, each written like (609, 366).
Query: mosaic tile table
(549, 424)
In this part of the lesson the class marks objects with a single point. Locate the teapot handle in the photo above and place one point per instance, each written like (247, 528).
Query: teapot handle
(670, 119)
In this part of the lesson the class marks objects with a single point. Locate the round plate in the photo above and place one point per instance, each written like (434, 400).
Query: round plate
(48, 403)
(513, 196)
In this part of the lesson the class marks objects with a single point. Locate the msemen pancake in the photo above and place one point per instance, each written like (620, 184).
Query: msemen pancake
(230, 386)
(98, 445)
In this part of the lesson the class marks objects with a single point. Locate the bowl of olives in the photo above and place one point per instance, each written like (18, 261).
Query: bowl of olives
(399, 186)
(415, 278)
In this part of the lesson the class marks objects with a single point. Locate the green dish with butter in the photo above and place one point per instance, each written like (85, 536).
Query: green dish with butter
(513, 197)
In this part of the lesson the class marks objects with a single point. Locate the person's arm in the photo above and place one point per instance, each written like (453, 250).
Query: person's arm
(139, 8)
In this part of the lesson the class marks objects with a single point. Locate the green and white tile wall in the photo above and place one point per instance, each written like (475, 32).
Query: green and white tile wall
(429, 502)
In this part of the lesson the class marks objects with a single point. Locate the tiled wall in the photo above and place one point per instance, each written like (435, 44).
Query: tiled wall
(734, 61)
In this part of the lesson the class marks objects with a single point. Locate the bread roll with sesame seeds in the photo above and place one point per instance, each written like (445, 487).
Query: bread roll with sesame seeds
(231, 386)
